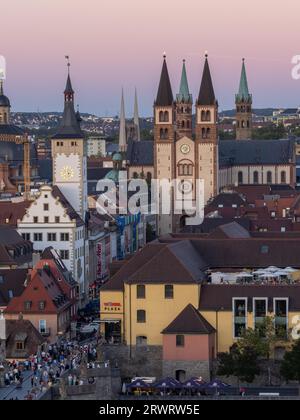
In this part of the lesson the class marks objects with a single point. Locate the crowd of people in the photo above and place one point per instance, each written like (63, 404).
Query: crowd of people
(46, 368)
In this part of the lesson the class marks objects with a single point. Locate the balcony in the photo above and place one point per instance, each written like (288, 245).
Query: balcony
(45, 332)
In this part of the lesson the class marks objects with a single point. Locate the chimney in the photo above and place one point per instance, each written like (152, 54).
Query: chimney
(35, 258)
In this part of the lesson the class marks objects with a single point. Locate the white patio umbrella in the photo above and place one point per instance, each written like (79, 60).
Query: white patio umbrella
(280, 273)
(272, 269)
(259, 272)
(245, 276)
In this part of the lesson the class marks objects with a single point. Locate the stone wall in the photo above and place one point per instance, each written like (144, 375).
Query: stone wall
(2, 350)
(191, 369)
(135, 361)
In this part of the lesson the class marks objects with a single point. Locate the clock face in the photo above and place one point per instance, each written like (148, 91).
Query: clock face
(185, 149)
(67, 173)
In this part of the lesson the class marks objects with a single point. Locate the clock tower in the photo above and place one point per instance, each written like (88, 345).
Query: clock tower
(69, 156)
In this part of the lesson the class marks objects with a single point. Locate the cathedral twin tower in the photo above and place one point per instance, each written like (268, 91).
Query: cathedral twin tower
(187, 154)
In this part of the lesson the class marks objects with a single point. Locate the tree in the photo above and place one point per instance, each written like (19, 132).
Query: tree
(242, 363)
(290, 368)
(261, 339)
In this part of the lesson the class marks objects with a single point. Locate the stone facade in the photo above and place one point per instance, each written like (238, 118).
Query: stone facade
(136, 361)
(189, 369)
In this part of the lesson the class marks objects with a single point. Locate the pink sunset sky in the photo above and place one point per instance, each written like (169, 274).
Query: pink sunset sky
(120, 43)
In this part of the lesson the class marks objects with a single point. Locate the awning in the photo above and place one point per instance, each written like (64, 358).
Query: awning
(109, 321)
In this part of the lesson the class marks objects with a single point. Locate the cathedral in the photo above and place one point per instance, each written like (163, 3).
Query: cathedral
(188, 149)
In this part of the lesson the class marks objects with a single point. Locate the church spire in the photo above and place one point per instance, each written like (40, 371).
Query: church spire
(243, 101)
(184, 92)
(206, 94)
(69, 127)
(164, 94)
(122, 134)
(244, 94)
(136, 118)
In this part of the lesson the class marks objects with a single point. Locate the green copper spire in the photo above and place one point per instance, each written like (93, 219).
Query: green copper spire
(184, 92)
(244, 95)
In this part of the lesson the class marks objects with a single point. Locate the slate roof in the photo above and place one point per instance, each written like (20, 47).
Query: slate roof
(210, 224)
(160, 264)
(140, 153)
(56, 192)
(21, 328)
(12, 212)
(250, 252)
(231, 152)
(189, 321)
(228, 200)
(11, 240)
(164, 94)
(256, 152)
(11, 280)
(206, 94)
(214, 297)
(11, 130)
(231, 230)
(69, 127)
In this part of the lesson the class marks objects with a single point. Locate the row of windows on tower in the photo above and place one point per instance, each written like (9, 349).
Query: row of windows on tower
(205, 133)
(243, 124)
(243, 108)
(183, 124)
(283, 179)
(164, 116)
(61, 143)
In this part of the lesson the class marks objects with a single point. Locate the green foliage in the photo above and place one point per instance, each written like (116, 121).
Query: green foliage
(272, 132)
(225, 135)
(147, 134)
(290, 367)
(242, 363)
(262, 339)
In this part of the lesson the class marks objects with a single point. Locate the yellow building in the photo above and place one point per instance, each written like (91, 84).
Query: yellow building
(152, 301)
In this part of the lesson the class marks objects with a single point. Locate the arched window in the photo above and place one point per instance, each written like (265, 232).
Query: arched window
(283, 177)
(203, 133)
(161, 116)
(182, 124)
(190, 171)
(208, 115)
(203, 115)
(255, 178)
(240, 178)
(208, 133)
(243, 124)
(269, 177)
(188, 124)
(248, 124)
(166, 119)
